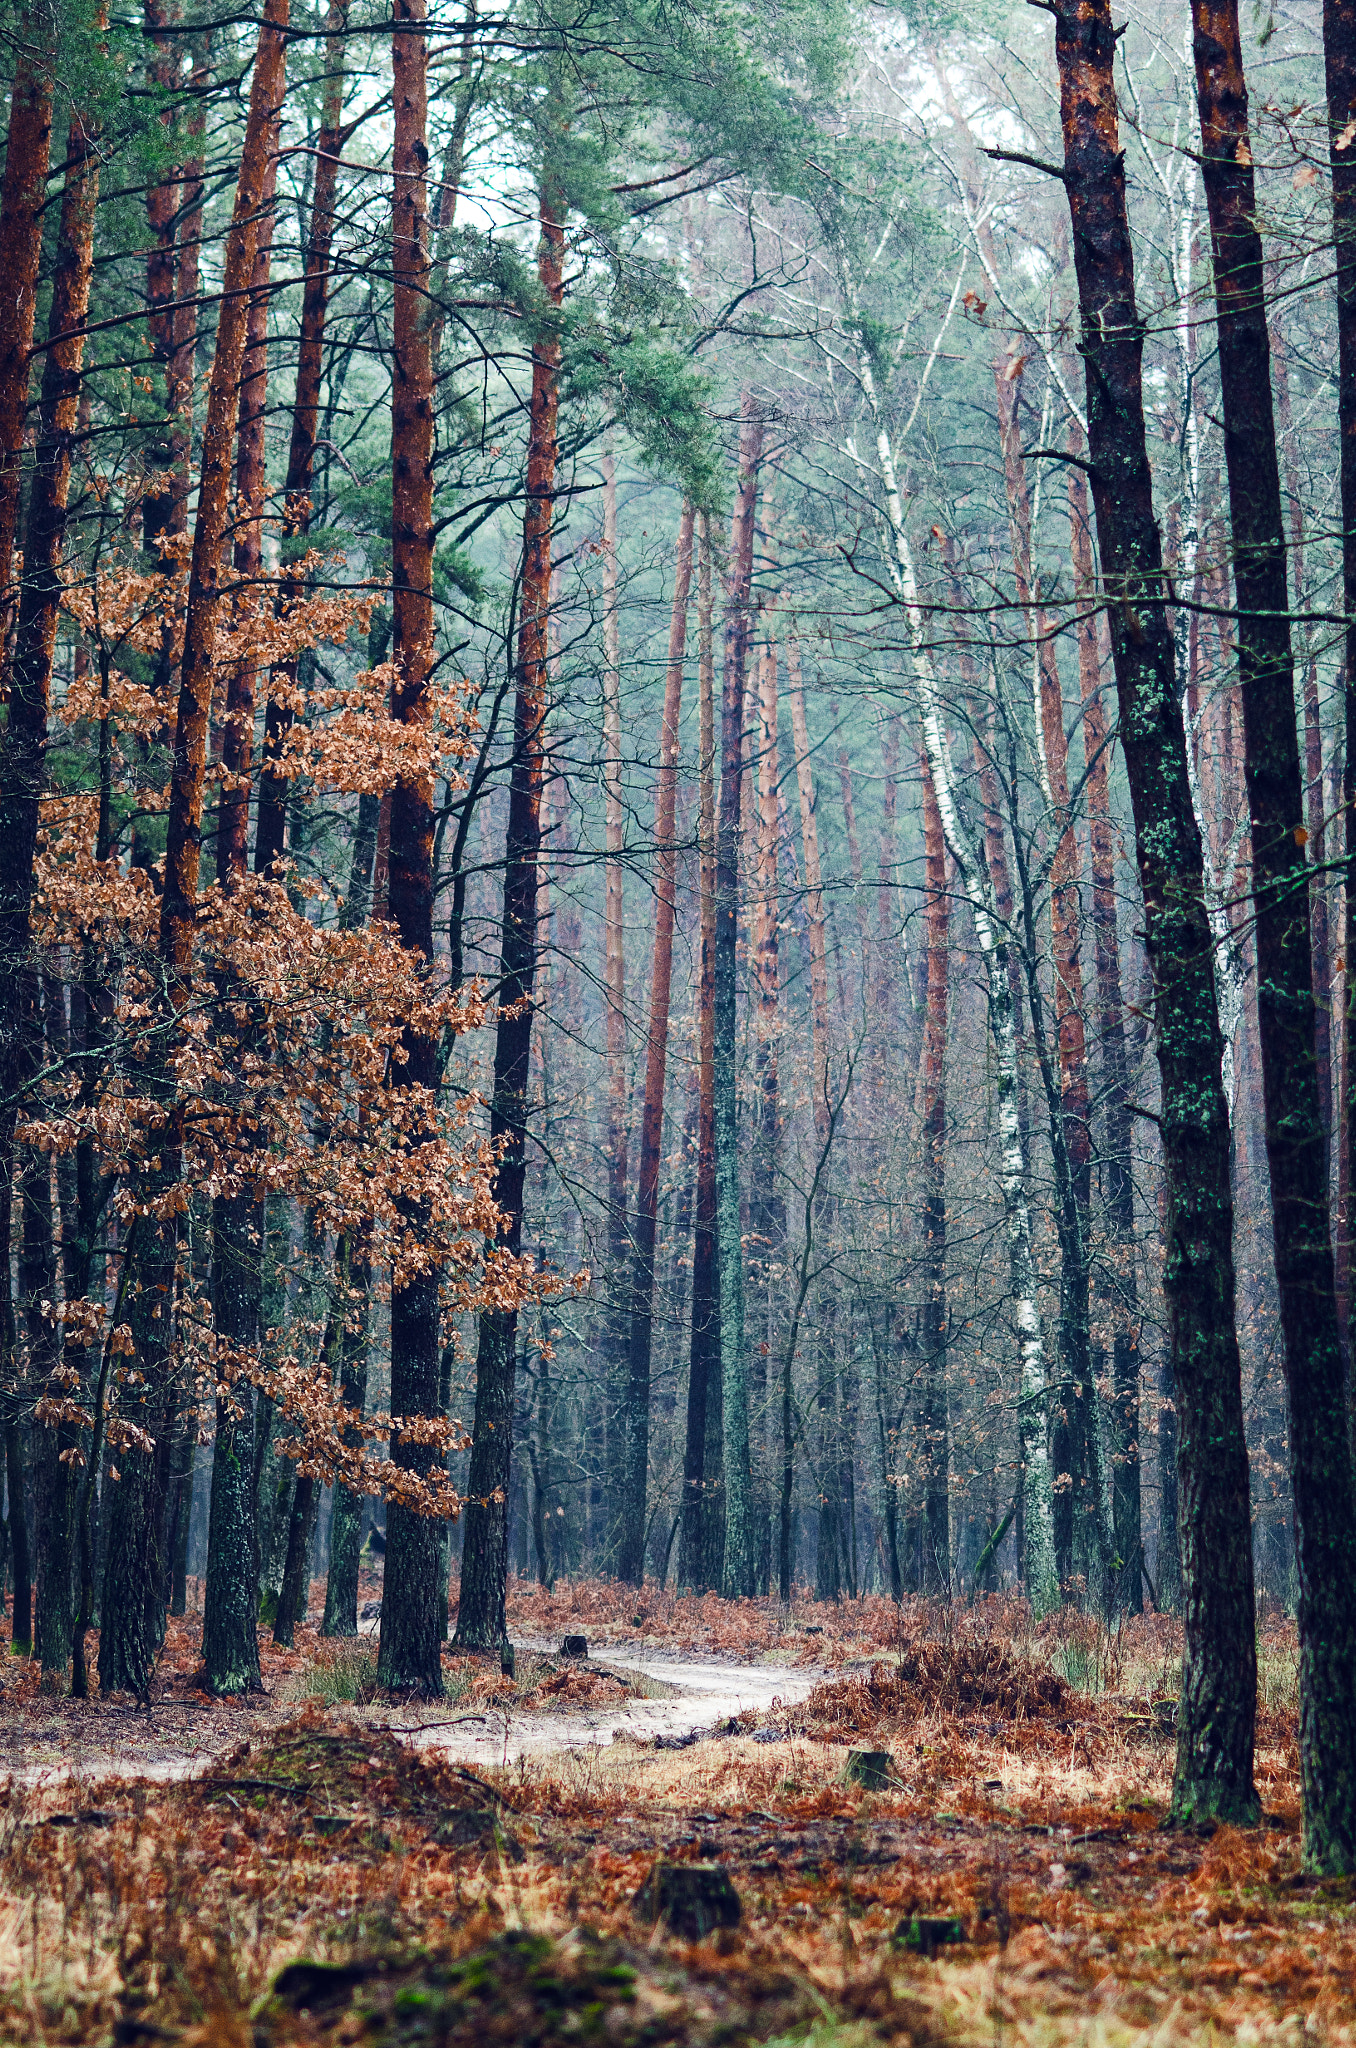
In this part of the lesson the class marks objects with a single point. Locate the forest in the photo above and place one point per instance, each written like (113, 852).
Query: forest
(678, 1022)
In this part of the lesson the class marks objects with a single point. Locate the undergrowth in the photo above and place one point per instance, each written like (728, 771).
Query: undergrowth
(1029, 1774)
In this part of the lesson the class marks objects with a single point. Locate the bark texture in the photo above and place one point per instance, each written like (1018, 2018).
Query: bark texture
(484, 1565)
(412, 1623)
(1296, 1141)
(1216, 1719)
(1118, 1192)
(271, 824)
(130, 1633)
(934, 1565)
(631, 1555)
(734, 1365)
(702, 1517)
(22, 192)
(1339, 63)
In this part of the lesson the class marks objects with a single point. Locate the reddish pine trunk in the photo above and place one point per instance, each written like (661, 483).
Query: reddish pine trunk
(814, 897)
(484, 1569)
(163, 508)
(130, 1633)
(826, 1392)
(767, 1214)
(1077, 1511)
(934, 1575)
(854, 845)
(1320, 1458)
(618, 1421)
(179, 376)
(271, 824)
(1117, 1181)
(891, 1042)
(631, 1558)
(739, 1564)
(22, 775)
(184, 829)
(28, 684)
(1313, 752)
(21, 202)
(700, 1473)
(251, 484)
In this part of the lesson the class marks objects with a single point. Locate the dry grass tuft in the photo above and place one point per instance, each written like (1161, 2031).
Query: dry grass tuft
(963, 1676)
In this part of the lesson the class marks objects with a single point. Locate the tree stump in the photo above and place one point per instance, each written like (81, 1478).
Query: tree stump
(872, 1769)
(574, 1646)
(925, 1935)
(691, 1899)
(507, 1661)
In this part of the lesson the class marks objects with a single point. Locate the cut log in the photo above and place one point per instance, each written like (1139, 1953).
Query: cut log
(691, 1898)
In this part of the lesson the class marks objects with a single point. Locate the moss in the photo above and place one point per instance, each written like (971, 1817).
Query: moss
(530, 1989)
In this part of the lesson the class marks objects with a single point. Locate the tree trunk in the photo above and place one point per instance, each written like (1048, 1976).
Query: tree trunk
(353, 1285)
(1314, 809)
(935, 1576)
(1339, 58)
(61, 1493)
(230, 1640)
(163, 507)
(24, 765)
(701, 1505)
(1218, 1699)
(53, 1612)
(734, 1364)
(410, 1655)
(292, 1599)
(891, 941)
(767, 1226)
(22, 197)
(1074, 1422)
(1118, 1189)
(128, 1638)
(22, 759)
(1297, 1152)
(978, 880)
(180, 371)
(21, 1568)
(814, 895)
(618, 1419)
(484, 1568)
(826, 1557)
(353, 1281)
(631, 1557)
(271, 824)
(251, 484)
(230, 1633)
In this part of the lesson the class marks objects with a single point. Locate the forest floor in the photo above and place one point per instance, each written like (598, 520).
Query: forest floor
(312, 1867)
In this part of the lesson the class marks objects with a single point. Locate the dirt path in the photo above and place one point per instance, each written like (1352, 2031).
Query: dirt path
(705, 1695)
(68, 1743)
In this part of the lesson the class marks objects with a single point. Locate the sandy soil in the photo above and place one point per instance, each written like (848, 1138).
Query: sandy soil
(704, 1697)
(61, 1742)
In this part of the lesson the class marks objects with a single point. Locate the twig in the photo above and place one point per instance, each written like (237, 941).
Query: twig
(420, 1727)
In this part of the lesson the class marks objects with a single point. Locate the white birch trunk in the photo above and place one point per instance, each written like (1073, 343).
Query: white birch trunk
(1042, 1587)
